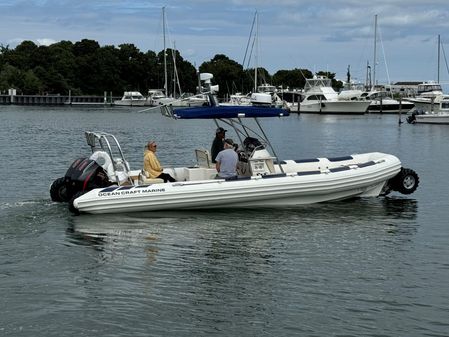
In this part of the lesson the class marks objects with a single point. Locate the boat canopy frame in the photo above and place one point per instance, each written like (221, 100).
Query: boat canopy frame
(242, 130)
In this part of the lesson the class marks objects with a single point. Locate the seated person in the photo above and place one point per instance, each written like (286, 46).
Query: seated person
(227, 160)
(151, 164)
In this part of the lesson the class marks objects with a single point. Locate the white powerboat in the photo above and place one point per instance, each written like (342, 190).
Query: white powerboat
(266, 95)
(428, 98)
(131, 98)
(380, 101)
(104, 183)
(156, 97)
(320, 97)
(439, 115)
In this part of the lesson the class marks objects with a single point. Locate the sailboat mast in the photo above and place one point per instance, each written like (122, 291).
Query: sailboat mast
(438, 78)
(375, 51)
(174, 69)
(257, 53)
(165, 52)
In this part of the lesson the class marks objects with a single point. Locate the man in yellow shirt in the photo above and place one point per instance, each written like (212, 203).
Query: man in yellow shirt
(151, 164)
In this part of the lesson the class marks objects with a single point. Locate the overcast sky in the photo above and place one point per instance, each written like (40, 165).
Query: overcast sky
(316, 35)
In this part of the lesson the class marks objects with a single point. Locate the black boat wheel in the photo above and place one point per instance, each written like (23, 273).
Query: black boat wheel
(406, 181)
(58, 190)
(71, 206)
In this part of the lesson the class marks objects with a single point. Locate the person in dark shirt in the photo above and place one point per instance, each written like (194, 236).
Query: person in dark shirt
(218, 143)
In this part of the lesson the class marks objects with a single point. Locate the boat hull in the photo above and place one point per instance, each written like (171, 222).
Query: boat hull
(334, 107)
(430, 118)
(130, 103)
(390, 107)
(278, 190)
(429, 105)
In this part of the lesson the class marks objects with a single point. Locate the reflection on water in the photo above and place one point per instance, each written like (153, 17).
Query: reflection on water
(249, 264)
(398, 213)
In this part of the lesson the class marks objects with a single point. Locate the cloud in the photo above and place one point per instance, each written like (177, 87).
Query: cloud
(292, 33)
(45, 42)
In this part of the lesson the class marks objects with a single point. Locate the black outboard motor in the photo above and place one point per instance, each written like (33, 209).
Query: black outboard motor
(412, 118)
(82, 176)
(250, 143)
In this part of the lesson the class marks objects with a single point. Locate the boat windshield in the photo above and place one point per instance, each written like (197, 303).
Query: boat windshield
(422, 88)
(317, 82)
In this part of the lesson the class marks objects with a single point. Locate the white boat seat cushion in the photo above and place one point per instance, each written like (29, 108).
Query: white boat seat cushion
(145, 179)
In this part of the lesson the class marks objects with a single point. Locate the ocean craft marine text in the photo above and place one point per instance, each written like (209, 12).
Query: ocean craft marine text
(133, 191)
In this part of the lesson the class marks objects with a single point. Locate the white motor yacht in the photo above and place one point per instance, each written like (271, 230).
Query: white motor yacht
(156, 97)
(104, 182)
(131, 98)
(428, 98)
(380, 101)
(439, 115)
(320, 97)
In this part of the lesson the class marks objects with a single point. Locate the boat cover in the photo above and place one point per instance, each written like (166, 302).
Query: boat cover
(211, 112)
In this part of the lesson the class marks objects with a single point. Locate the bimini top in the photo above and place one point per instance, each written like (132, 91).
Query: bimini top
(210, 112)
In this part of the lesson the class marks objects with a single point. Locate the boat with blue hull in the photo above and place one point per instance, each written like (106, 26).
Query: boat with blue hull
(104, 182)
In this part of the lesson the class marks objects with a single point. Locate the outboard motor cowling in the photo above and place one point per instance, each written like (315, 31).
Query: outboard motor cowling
(82, 176)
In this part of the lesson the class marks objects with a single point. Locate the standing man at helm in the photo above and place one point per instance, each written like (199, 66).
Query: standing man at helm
(218, 143)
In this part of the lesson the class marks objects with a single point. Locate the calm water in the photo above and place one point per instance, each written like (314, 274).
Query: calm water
(374, 267)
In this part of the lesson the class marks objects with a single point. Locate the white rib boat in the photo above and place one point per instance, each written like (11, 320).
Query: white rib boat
(104, 183)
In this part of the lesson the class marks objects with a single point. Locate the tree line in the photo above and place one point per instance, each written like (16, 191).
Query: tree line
(86, 68)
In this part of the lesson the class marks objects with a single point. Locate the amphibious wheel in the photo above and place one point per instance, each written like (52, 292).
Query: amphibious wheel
(58, 191)
(406, 181)
(71, 206)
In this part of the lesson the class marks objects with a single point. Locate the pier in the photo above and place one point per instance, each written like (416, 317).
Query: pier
(56, 99)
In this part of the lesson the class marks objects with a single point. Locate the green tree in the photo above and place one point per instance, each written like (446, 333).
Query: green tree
(23, 55)
(31, 83)
(186, 72)
(152, 70)
(293, 79)
(86, 71)
(10, 77)
(61, 58)
(84, 67)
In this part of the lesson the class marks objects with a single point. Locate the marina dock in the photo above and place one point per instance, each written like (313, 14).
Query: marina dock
(56, 100)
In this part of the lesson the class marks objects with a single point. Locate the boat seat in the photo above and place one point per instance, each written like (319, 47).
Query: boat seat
(145, 179)
(152, 181)
(203, 158)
